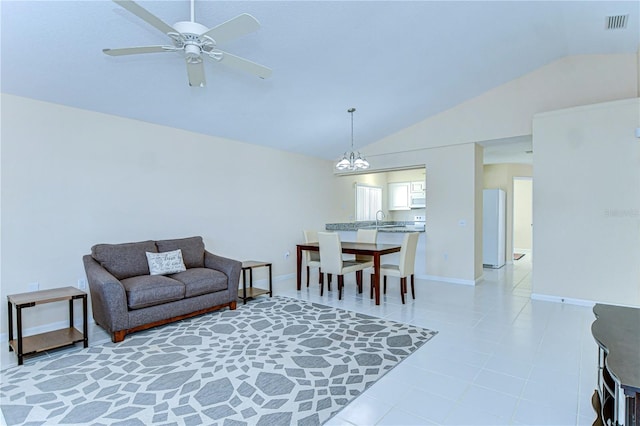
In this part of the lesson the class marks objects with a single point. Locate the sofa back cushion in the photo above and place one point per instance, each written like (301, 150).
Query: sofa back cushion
(124, 260)
(192, 250)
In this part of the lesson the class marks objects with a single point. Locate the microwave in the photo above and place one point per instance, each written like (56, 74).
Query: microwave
(417, 201)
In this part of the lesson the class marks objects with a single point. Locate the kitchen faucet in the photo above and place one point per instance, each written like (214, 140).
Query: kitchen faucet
(382, 217)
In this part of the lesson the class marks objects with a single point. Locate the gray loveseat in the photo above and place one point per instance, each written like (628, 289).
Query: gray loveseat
(125, 298)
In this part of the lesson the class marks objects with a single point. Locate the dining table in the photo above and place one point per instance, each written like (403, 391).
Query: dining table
(375, 250)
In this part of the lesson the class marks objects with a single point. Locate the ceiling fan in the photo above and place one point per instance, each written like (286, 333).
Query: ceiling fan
(196, 41)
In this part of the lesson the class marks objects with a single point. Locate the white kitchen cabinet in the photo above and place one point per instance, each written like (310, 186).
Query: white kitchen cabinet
(399, 196)
(417, 187)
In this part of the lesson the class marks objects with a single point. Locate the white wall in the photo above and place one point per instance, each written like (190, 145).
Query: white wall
(522, 214)
(73, 178)
(586, 203)
(507, 110)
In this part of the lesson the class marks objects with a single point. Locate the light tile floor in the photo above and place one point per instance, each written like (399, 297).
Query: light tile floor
(500, 358)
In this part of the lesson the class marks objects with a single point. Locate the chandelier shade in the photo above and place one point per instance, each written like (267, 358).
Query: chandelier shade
(351, 160)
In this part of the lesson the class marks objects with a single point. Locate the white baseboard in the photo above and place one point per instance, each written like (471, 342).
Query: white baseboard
(574, 301)
(560, 299)
(264, 282)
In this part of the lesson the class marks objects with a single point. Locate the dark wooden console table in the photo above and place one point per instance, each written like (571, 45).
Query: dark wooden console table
(617, 332)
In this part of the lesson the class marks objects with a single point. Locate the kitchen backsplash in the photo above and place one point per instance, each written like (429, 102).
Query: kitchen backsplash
(404, 215)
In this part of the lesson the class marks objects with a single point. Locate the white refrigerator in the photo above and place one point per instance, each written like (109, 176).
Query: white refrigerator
(493, 228)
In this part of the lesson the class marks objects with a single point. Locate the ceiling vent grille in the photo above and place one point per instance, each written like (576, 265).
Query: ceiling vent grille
(616, 22)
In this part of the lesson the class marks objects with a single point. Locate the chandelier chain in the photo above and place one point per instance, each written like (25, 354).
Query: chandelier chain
(352, 161)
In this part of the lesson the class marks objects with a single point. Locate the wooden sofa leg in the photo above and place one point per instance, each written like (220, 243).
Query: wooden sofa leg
(118, 336)
(233, 305)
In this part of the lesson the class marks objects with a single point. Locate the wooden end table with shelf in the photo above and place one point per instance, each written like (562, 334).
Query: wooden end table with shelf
(27, 345)
(247, 293)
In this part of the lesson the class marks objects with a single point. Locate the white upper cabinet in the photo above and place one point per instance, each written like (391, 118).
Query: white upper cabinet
(399, 196)
(417, 187)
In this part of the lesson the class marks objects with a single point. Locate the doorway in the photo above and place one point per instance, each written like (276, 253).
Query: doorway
(522, 218)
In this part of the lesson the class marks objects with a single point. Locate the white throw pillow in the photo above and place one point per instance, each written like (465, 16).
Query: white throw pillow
(168, 262)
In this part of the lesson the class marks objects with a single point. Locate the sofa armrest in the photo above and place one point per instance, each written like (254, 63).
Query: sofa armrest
(230, 267)
(108, 297)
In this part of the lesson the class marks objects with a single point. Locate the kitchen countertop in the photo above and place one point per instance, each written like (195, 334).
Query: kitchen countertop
(397, 226)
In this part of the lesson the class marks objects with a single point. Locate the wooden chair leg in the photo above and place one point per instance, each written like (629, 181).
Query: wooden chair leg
(307, 276)
(384, 288)
(359, 280)
(403, 284)
(329, 282)
(321, 285)
(413, 290)
(371, 285)
(340, 285)
(319, 276)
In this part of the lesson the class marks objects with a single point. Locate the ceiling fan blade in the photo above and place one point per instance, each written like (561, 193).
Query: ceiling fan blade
(244, 65)
(138, 50)
(233, 28)
(196, 74)
(145, 15)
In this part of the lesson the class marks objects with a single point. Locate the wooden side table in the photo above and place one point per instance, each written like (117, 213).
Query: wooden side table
(252, 291)
(27, 345)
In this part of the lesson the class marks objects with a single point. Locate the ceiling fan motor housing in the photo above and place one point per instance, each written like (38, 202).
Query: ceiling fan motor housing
(189, 38)
(191, 28)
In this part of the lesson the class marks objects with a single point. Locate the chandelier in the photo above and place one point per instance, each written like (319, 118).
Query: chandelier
(351, 160)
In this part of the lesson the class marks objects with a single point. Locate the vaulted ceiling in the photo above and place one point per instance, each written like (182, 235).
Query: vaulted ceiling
(396, 62)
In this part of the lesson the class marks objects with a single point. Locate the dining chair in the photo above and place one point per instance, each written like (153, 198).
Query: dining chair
(312, 258)
(405, 268)
(332, 263)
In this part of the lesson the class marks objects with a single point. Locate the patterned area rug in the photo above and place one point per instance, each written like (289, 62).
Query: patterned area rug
(279, 361)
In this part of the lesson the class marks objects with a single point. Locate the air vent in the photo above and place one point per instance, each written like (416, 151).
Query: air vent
(616, 22)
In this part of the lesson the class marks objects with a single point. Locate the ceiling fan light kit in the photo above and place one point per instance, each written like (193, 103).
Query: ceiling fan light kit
(196, 40)
(352, 161)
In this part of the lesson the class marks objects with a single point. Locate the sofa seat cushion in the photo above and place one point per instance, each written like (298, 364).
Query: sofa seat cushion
(124, 260)
(199, 281)
(149, 290)
(192, 250)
